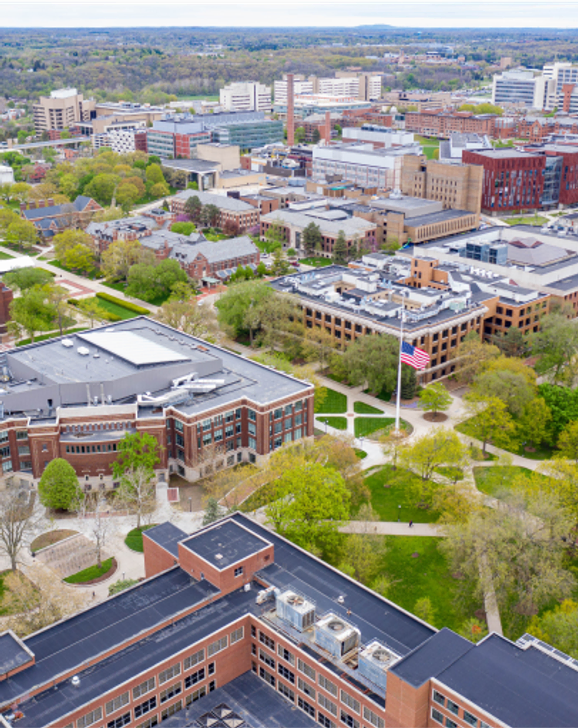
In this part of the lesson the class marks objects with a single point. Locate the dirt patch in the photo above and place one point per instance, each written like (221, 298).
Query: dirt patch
(435, 416)
(50, 538)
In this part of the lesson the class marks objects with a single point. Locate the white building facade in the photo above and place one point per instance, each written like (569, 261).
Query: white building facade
(248, 96)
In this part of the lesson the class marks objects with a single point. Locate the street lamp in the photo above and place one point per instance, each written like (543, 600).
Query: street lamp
(325, 426)
(190, 505)
(399, 514)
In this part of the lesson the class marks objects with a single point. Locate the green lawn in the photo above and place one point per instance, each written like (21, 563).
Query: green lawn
(361, 454)
(53, 335)
(92, 273)
(115, 308)
(530, 220)
(496, 479)
(385, 395)
(388, 489)
(429, 151)
(366, 409)
(339, 423)
(316, 262)
(424, 575)
(334, 403)
(93, 572)
(366, 426)
(134, 538)
(450, 472)
(5, 256)
(121, 286)
(544, 452)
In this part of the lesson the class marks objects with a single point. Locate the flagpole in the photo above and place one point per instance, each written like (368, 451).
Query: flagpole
(398, 398)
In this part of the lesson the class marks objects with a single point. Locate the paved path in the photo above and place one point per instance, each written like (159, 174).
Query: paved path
(391, 528)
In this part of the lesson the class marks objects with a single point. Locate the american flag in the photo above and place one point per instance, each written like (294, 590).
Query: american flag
(413, 356)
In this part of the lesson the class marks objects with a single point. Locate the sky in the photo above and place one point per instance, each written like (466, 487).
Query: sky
(281, 13)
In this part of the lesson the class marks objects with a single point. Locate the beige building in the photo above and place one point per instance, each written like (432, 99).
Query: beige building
(227, 155)
(456, 186)
(61, 110)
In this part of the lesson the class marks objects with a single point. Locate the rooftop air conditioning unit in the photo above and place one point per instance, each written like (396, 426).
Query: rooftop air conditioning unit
(67, 343)
(335, 635)
(83, 351)
(298, 611)
(374, 662)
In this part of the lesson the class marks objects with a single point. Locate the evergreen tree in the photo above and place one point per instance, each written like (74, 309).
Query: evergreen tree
(212, 512)
(408, 382)
(340, 253)
(311, 238)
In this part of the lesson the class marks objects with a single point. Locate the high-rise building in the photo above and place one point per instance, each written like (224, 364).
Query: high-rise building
(61, 110)
(300, 86)
(248, 96)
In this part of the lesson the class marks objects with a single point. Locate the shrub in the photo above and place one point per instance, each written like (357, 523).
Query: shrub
(58, 487)
(126, 304)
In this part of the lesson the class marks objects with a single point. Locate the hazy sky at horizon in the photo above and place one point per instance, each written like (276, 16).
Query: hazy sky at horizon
(267, 13)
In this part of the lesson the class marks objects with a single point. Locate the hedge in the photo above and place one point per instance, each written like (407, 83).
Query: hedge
(123, 303)
(111, 317)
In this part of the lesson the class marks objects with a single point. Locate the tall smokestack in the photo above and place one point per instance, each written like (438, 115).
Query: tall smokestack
(327, 127)
(290, 111)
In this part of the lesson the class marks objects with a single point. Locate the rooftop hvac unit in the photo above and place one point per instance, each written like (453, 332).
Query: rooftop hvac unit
(295, 609)
(83, 351)
(67, 343)
(335, 635)
(374, 662)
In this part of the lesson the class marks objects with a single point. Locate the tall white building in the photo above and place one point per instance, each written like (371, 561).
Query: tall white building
(301, 87)
(363, 86)
(248, 96)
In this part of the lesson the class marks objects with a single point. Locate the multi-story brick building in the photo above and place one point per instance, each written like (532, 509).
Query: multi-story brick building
(76, 397)
(437, 123)
(232, 212)
(236, 626)
(50, 219)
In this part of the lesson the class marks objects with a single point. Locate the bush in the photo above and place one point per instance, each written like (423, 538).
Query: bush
(126, 304)
(121, 585)
(58, 487)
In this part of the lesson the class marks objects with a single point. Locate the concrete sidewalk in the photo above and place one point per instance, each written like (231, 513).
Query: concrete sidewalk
(391, 528)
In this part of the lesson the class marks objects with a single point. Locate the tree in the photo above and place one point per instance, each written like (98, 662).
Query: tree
(160, 189)
(36, 600)
(490, 420)
(311, 503)
(472, 357)
(363, 556)
(275, 237)
(299, 135)
(20, 191)
(121, 255)
(558, 627)
(126, 196)
(58, 297)
(318, 345)
(568, 442)
(372, 360)
(473, 629)
(512, 343)
(311, 238)
(316, 136)
(210, 215)
(94, 508)
(340, 252)
(21, 233)
(556, 345)
(534, 424)
(154, 174)
(24, 278)
(424, 609)
(235, 306)
(435, 449)
(7, 216)
(183, 228)
(137, 450)
(280, 266)
(58, 487)
(189, 317)
(80, 257)
(16, 521)
(281, 324)
(94, 312)
(563, 404)
(435, 398)
(102, 188)
(408, 382)
(153, 281)
(137, 492)
(213, 511)
(512, 389)
(69, 239)
(32, 312)
(193, 208)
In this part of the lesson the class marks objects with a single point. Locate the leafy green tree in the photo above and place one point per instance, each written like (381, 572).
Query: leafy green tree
(24, 278)
(435, 398)
(372, 360)
(512, 343)
(316, 136)
(558, 627)
(154, 174)
(7, 217)
(21, 234)
(58, 487)
(437, 448)
(318, 345)
(556, 345)
(126, 196)
(424, 609)
(94, 312)
(568, 442)
(280, 266)
(121, 255)
(490, 421)
(473, 629)
(210, 215)
(311, 238)
(473, 355)
(154, 281)
(235, 306)
(408, 382)
(563, 404)
(340, 253)
(193, 208)
(512, 389)
(80, 257)
(534, 424)
(275, 237)
(33, 311)
(189, 317)
(213, 511)
(69, 239)
(160, 189)
(183, 228)
(136, 450)
(299, 135)
(102, 188)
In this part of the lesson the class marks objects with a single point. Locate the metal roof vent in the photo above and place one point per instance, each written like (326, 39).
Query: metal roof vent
(67, 343)
(340, 599)
(83, 351)
(75, 681)
(218, 556)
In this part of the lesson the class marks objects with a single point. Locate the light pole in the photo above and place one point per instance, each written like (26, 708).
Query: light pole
(325, 421)
(190, 505)
(399, 514)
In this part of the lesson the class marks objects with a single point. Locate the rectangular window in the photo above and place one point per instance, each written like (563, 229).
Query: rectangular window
(217, 646)
(252, 415)
(143, 688)
(267, 659)
(327, 704)
(252, 428)
(145, 707)
(193, 660)
(195, 695)
(229, 416)
(328, 685)
(211, 668)
(89, 718)
(252, 443)
(286, 673)
(305, 669)
(171, 692)
(266, 676)
(149, 722)
(304, 705)
(453, 707)
(119, 722)
(278, 427)
(373, 718)
(206, 424)
(286, 692)
(324, 720)
(117, 703)
(350, 702)
(236, 635)
(171, 710)
(170, 672)
(450, 723)
(437, 716)
(278, 414)
(229, 431)
(439, 698)
(306, 688)
(267, 641)
(285, 654)
(194, 678)
(239, 571)
(349, 720)
(218, 435)
(470, 719)
(23, 435)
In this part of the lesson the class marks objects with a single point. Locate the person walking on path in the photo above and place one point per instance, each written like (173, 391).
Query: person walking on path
(411, 524)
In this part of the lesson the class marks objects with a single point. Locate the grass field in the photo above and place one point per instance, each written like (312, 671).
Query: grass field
(339, 423)
(316, 262)
(5, 256)
(91, 273)
(496, 479)
(115, 308)
(335, 403)
(121, 286)
(543, 452)
(529, 220)
(366, 426)
(389, 490)
(134, 538)
(93, 572)
(53, 335)
(366, 409)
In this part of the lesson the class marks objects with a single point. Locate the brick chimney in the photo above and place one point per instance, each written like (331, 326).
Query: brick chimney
(290, 111)
(40, 204)
(327, 134)
(50, 202)
(22, 206)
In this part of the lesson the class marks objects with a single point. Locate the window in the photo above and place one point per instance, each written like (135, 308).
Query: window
(252, 443)
(193, 660)
(324, 721)
(171, 710)
(252, 428)
(328, 685)
(252, 415)
(327, 704)
(117, 703)
(306, 669)
(267, 641)
(211, 668)
(194, 678)
(236, 634)
(436, 715)
(286, 673)
(169, 673)
(143, 688)
(149, 722)
(23, 435)
(450, 723)
(469, 718)
(453, 707)
(350, 702)
(286, 692)
(239, 571)
(145, 707)
(267, 659)
(278, 414)
(196, 695)
(306, 688)
(439, 698)
(89, 718)
(304, 705)
(349, 720)
(119, 722)
(206, 425)
(285, 654)
(372, 718)
(253, 631)
(266, 676)
(217, 646)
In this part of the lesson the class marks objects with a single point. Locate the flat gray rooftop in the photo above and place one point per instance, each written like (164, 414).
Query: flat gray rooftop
(225, 544)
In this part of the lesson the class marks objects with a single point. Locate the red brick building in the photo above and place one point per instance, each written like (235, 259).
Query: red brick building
(440, 123)
(232, 211)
